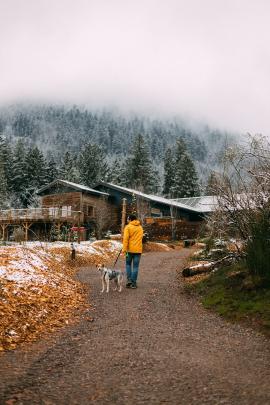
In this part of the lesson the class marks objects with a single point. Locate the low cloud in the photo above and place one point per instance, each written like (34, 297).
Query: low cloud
(209, 60)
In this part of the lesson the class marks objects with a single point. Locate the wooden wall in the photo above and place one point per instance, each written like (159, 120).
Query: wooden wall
(58, 200)
(161, 229)
(93, 207)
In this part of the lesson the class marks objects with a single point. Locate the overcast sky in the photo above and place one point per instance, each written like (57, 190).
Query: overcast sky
(207, 59)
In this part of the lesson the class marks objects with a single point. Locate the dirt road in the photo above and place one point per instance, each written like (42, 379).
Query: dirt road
(153, 345)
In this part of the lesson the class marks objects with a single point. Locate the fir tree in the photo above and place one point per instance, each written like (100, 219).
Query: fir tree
(140, 172)
(92, 165)
(6, 157)
(169, 168)
(185, 177)
(211, 184)
(117, 173)
(51, 170)
(36, 175)
(4, 195)
(68, 170)
(35, 167)
(19, 173)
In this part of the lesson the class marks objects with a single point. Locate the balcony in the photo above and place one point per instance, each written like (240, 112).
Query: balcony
(44, 214)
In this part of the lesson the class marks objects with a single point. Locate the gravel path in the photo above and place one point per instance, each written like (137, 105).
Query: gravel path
(153, 345)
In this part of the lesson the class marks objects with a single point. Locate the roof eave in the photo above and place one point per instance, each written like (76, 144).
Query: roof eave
(77, 187)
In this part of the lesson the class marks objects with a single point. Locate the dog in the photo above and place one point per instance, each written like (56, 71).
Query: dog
(110, 274)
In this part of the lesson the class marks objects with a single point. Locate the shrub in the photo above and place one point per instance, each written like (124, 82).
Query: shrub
(258, 247)
(18, 234)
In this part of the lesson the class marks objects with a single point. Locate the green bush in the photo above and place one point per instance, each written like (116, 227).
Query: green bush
(258, 248)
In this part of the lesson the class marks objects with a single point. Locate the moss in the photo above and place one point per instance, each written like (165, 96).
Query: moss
(232, 295)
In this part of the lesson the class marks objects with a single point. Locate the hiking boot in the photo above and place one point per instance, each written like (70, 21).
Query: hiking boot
(129, 284)
(133, 285)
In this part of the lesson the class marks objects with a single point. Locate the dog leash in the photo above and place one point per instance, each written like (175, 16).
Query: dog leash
(117, 258)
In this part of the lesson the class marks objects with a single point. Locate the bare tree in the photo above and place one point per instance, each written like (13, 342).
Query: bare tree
(243, 195)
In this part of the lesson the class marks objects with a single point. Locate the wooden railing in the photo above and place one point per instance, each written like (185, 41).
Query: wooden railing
(39, 214)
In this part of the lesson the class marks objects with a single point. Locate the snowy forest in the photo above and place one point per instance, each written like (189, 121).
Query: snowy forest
(41, 143)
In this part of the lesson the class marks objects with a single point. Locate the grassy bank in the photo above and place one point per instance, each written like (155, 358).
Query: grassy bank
(232, 294)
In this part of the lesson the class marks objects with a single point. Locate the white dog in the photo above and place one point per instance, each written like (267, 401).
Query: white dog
(109, 274)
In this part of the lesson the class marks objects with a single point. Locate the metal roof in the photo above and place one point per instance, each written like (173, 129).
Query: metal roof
(161, 200)
(202, 203)
(79, 187)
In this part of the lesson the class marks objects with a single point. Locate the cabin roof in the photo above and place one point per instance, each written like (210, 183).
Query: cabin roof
(154, 198)
(202, 203)
(75, 186)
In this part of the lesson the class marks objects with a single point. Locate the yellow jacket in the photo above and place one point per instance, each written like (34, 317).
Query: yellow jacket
(133, 234)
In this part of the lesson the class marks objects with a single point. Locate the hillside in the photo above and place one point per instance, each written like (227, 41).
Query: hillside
(56, 129)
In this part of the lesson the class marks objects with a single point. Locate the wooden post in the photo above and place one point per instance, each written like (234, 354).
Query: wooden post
(172, 223)
(3, 226)
(124, 213)
(79, 226)
(26, 226)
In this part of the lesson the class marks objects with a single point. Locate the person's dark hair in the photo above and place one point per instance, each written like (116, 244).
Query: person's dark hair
(132, 217)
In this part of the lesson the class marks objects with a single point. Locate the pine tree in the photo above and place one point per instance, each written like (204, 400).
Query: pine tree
(36, 175)
(51, 169)
(211, 184)
(185, 177)
(19, 174)
(117, 173)
(92, 165)
(4, 195)
(6, 156)
(169, 168)
(68, 170)
(36, 168)
(140, 172)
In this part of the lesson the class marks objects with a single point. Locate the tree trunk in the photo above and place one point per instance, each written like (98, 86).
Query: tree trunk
(207, 267)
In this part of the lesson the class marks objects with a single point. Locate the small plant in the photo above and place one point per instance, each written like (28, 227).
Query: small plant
(54, 234)
(92, 237)
(209, 244)
(19, 234)
(64, 234)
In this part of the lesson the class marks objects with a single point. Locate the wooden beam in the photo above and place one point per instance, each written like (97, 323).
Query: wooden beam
(26, 226)
(124, 213)
(4, 227)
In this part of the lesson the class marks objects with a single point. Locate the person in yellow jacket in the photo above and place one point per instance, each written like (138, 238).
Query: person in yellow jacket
(132, 247)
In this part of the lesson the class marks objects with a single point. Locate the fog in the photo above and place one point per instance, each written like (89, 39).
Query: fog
(207, 60)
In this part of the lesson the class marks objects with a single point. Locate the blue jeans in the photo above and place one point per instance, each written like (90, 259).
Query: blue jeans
(132, 271)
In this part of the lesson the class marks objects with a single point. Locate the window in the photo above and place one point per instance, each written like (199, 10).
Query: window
(90, 211)
(66, 211)
(155, 212)
(53, 211)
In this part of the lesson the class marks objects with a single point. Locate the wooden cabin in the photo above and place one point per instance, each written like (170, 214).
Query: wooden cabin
(69, 206)
(163, 218)
(63, 204)
(150, 205)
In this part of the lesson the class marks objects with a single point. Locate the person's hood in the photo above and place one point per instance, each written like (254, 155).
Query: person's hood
(135, 222)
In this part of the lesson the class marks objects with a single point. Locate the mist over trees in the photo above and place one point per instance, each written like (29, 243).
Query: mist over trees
(41, 143)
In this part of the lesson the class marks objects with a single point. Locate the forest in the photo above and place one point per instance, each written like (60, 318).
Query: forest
(39, 143)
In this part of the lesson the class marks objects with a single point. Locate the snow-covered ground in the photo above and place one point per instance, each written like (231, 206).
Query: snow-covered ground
(31, 262)
(37, 290)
